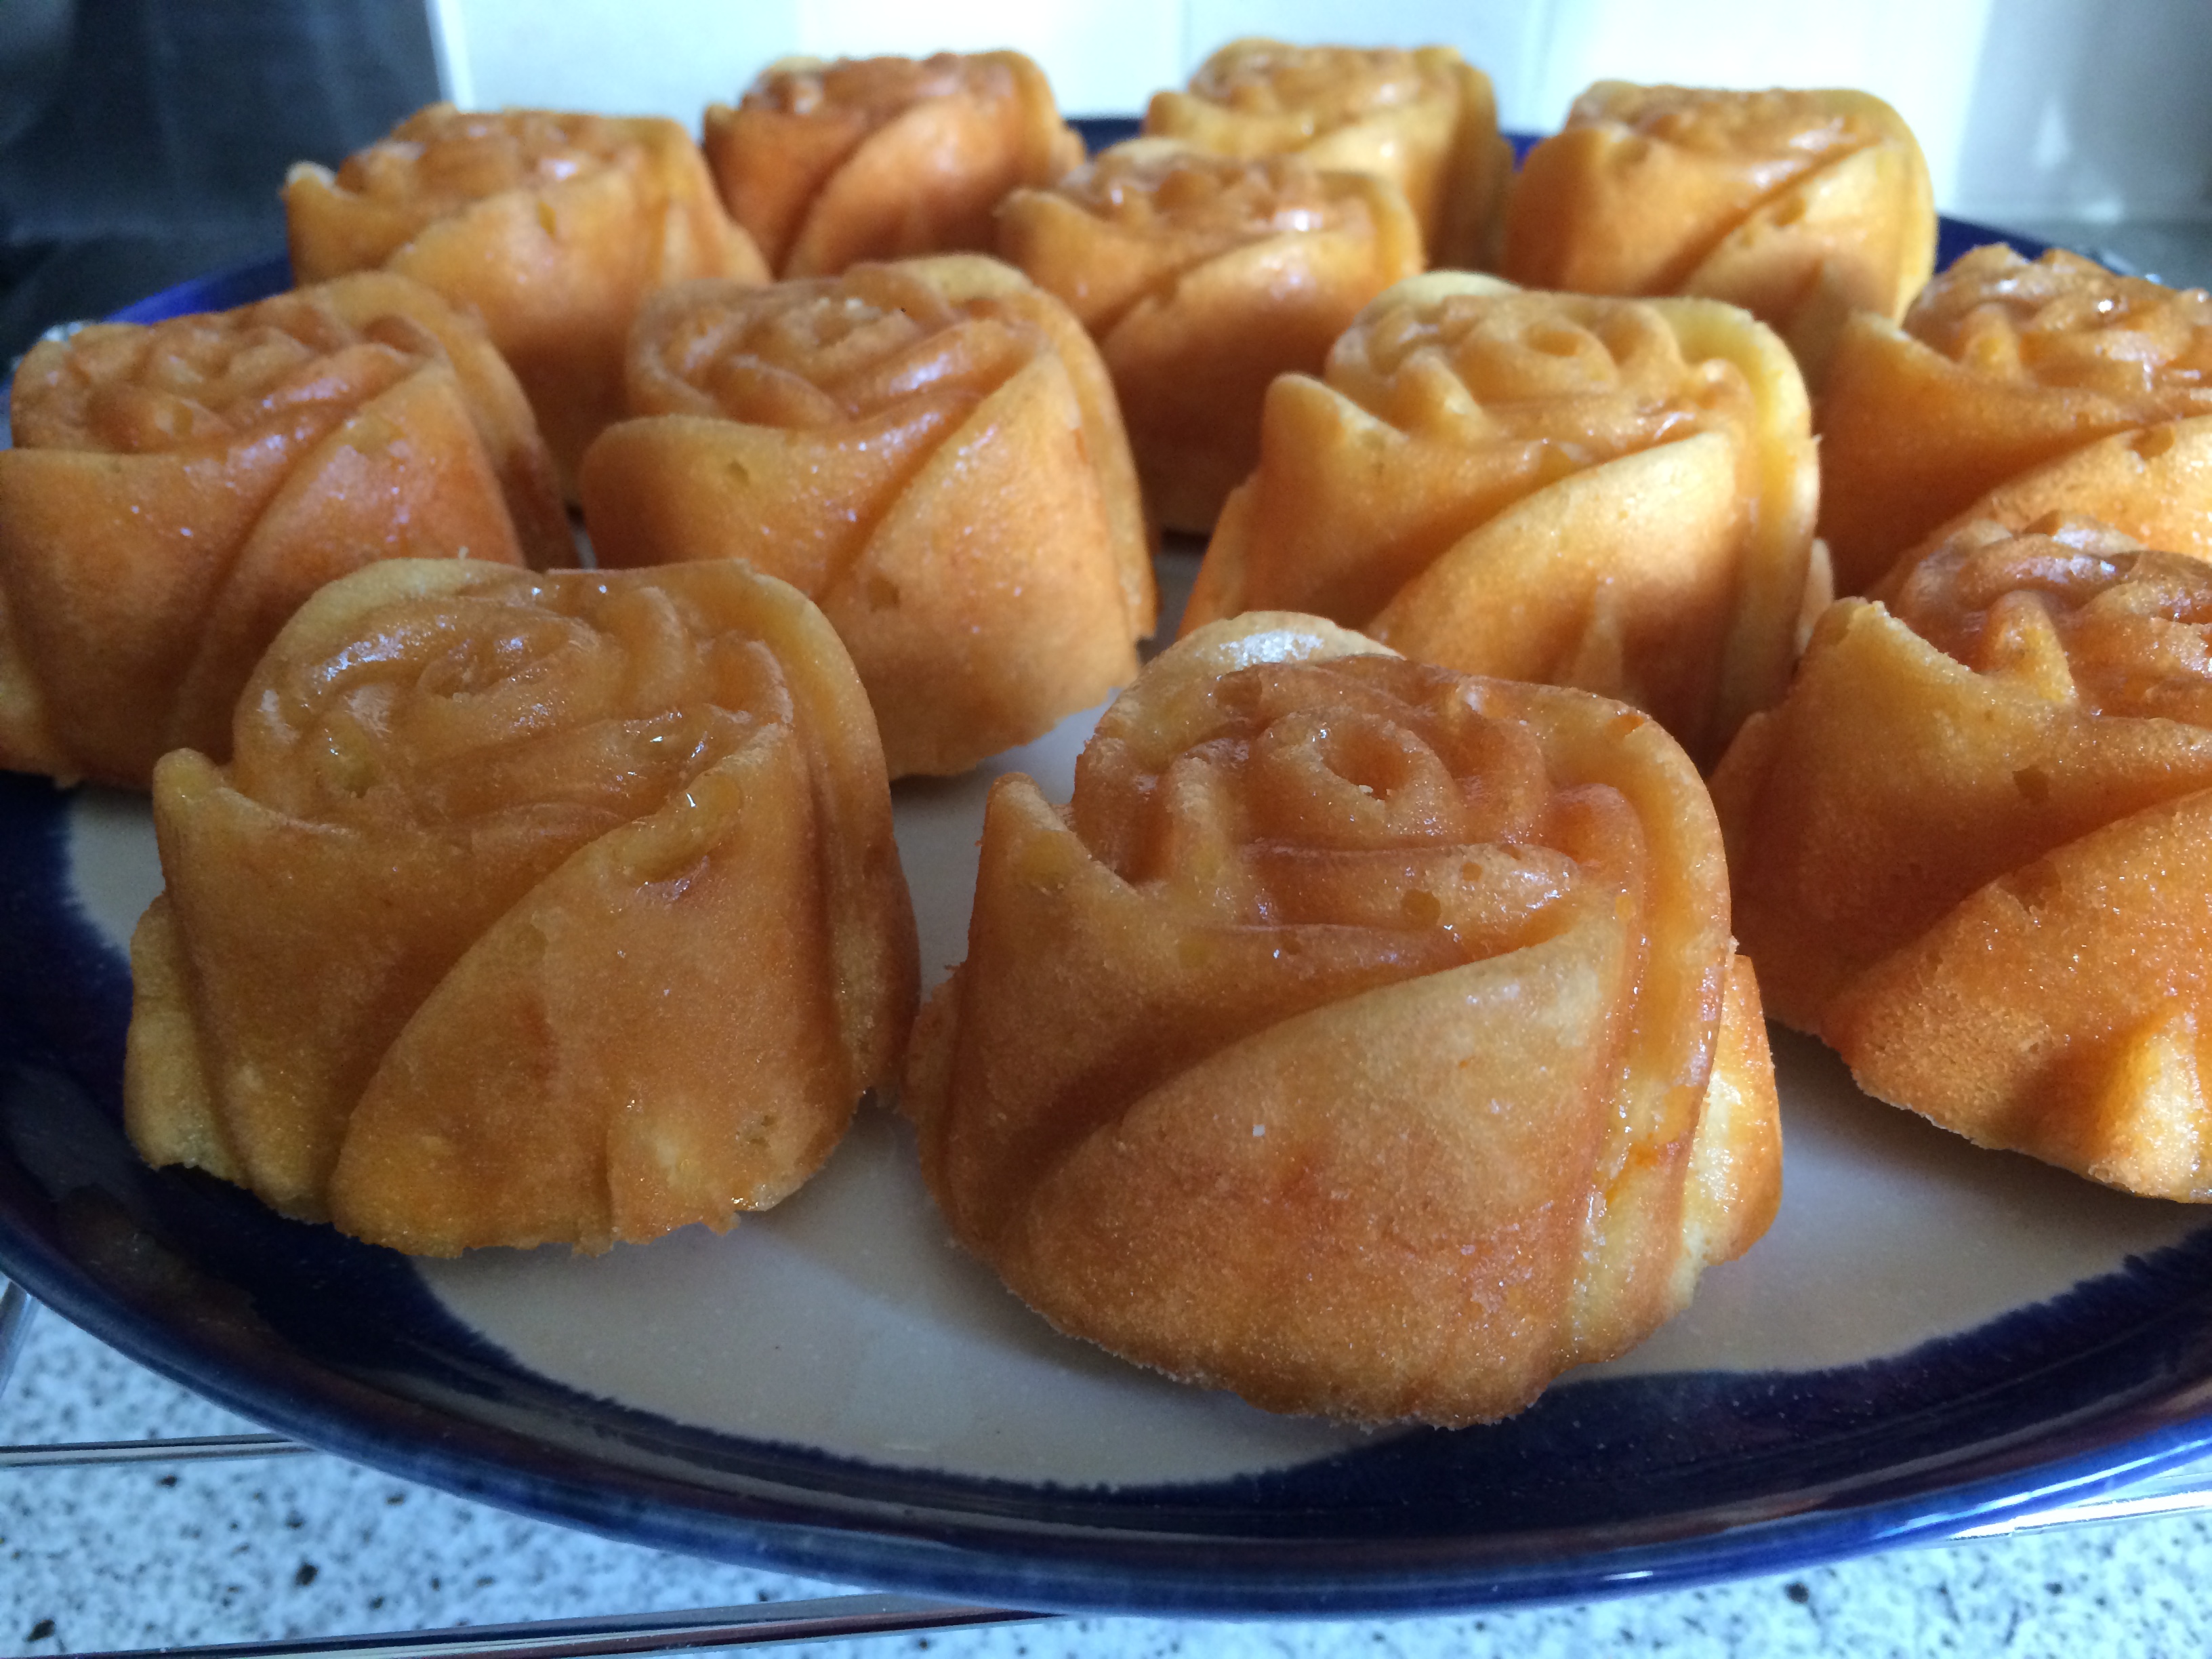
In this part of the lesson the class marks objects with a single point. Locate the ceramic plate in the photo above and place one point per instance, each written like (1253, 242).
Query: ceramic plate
(1930, 1338)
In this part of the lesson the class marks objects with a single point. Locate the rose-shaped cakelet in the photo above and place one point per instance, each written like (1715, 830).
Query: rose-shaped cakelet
(1425, 119)
(2013, 389)
(551, 227)
(555, 909)
(1616, 495)
(1363, 1037)
(931, 451)
(828, 164)
(1972, 850)
(175, 491)
(1800, 206)
(1203, 277)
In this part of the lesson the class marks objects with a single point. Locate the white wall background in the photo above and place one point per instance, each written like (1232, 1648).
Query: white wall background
(2026, 108)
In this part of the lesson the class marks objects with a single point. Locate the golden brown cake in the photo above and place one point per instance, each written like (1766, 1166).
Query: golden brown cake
(530, 908)
(828, 164)
(1800, 206)
(931, 451)
(2011, 390)
(175, 491)
(1363, 1037)
(1425, 119)
(550, 227)
(1616, 495)
(1972, 850)
(1203, 277)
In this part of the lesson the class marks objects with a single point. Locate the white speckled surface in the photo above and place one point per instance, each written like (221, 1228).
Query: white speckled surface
(190, 1554)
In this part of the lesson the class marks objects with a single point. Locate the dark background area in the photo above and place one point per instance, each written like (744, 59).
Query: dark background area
(142, 143)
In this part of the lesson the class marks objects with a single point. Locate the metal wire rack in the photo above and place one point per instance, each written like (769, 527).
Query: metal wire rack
(2185, 1490)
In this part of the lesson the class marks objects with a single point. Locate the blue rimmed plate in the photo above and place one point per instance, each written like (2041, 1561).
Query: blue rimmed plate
(1930, 1338)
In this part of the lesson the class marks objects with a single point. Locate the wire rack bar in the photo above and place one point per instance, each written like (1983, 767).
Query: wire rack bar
(829, 1619)
(80, 1454)
(2185, 1490)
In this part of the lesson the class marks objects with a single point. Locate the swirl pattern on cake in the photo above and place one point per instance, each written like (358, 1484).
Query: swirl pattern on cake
(828, 164)
(175, 491)
(1802, 206)
(1203, 277)
(530, 908)
(1425, 118)
(1363, 1037)
(1969, 850)
(2015, 388)
(552, 227)
(1616, 495)
(931, 451)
